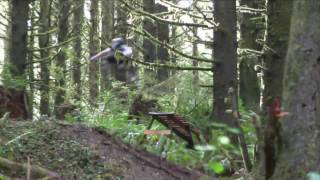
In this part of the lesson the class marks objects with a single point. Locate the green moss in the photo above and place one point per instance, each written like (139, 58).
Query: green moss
(47, 147)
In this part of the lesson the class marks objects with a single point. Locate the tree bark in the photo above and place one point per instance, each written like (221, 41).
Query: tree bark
(8, 30)
(225, 72)
(162, 52)
(148, 46)
(18, 47)
(173, 41)
(225, 52)
(301, 95)
(44, 54)
(278, 25)
(107, 33)
(63, 25)
(77, 46)
(30, 66)
(94, 46)
(19, 34)
(195, 63)
(121, 72)
(122, 16)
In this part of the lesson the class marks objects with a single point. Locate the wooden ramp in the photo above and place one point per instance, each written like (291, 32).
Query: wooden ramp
(178, 125)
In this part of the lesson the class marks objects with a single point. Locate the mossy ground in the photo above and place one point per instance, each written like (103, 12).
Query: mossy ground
(80, 152)
(44, 144)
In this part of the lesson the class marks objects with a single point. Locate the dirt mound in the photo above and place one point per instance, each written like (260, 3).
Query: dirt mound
(79, 152)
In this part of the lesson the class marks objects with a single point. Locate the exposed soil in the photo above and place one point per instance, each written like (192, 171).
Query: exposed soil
(79, 152)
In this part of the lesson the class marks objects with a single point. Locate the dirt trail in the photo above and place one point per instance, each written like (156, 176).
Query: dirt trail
(139, 165)
(79, 152)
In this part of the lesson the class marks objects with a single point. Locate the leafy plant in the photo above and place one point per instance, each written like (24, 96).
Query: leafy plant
(313, 176)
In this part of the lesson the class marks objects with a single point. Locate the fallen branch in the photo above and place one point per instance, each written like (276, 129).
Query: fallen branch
(17, 138)
(12, 169)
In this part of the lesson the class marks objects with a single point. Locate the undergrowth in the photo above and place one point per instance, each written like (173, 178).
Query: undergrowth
(214, 156)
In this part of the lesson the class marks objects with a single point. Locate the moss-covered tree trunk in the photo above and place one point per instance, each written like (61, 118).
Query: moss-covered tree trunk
(44, 54)
(30, 64)
(60, 75)
(121, 28)
(163, 36)
(18, 51)
(301, 95)
(18, 39)
(107, 32)
(121, 73)
(77, 46)
(148, 46)
(94, 48)
(278, 25)
(195, 63)
(173, 41)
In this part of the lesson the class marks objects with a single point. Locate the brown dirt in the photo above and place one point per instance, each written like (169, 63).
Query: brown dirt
(79, 152)
(138, 164)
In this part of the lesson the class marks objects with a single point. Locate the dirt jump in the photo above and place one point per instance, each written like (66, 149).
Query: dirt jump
(80, 152)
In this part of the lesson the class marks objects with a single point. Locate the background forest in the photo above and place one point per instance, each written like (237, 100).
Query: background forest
(244, 74)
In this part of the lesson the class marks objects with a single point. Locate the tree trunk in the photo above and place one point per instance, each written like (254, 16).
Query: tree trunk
(107, 32)
(195, 53)
(122, 25)
(225, 52)
(63, 25)
(94, 46)
(44, 55)
(77, 46)
(195, 63)
(301, 95)
(120, 72)
(18, 47)
(251, 30)
(19, 34)
(8, 30)
(148, 46)
(173, 41)
(162, 52)
(278, 25)
(225, 72)
(30, 65)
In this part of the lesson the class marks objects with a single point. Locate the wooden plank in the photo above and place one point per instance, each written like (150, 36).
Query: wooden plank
(157, 132)
(161, 113)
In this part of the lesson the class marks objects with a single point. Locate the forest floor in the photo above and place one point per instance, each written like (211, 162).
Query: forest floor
(80, 152)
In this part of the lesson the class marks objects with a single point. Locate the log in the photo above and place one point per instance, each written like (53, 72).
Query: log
(13, 169)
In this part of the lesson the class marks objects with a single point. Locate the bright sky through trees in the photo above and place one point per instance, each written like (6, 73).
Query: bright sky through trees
(2, 34)
(185, 3)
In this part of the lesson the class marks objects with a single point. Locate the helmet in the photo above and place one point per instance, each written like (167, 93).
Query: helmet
(120, 45)
(117, 44)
